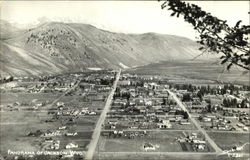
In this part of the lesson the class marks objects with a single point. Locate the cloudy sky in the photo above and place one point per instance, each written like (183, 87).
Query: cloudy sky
(120, 16)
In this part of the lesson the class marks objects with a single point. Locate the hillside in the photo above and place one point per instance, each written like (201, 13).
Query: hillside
(9, 30)
(59, 47)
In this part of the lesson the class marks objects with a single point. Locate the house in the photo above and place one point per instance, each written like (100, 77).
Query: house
(105, 134)
(142, 111)
(160, 112)
(112, 122)
(184, 122)
(132, 102)
(55, 145)
(92, 113)
(113, 126)
(139, 101)
(149, 146)
(84, 110)
(62, 127)
(196, 141)
(149, 103)
(200, 146)
(71, 145)
(150, 93)
(52, 134)
(120, 102)
(172, 119)
(245, 129)
(124, 83)
(60, 104)
(151, 113)
(71, 134)
(164, 125)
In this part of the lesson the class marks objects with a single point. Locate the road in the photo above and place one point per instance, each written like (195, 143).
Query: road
(159, 154)
(68, 91)
(151, 130)
(212, 143)
(100, 122)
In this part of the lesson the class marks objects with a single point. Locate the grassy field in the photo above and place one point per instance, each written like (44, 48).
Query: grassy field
(196, 69)
(26, 97)
(166, 140)
(176, 125)
(227, 140)
(136, 145)
(23, 117)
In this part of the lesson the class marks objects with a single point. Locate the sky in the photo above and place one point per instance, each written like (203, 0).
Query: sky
(120, 16)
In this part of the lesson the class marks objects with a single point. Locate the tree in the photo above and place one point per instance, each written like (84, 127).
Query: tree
(200, 95)
(209, 108)
(216, 36)
(164, 101)
(185, 115)
(187, 97)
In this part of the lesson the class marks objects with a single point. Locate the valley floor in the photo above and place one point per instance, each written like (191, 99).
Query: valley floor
(121, 115)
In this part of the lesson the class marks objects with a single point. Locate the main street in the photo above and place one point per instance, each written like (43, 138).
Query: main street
(100, 122)
(194, 121)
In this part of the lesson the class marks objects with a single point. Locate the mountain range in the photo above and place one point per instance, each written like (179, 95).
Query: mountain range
(56, 47)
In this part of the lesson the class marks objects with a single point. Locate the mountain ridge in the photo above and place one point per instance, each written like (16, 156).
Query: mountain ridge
(75, 46)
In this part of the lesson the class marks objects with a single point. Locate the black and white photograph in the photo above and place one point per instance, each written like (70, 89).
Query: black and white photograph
(124, 80)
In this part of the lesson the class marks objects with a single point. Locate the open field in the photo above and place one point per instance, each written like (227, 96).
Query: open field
(195, 69)
(26, 97)
(177, 126)
(228, 140)
(136, 145)
(30, 117)
(166, 141)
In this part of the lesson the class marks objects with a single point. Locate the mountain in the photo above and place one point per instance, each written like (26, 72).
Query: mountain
(57, 47)
(8, 30)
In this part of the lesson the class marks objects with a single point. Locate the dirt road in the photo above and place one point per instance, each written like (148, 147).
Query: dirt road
(98, 128)
(213, 144)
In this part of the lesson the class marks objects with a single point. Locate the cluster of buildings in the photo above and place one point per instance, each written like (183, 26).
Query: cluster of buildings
(217, 110)
(143, 103)
(62, 114)
(125, 134)
(197, 143)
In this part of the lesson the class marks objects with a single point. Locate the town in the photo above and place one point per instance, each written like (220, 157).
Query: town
(110, 114)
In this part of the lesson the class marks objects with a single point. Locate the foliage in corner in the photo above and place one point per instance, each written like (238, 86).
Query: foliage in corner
(215, 35)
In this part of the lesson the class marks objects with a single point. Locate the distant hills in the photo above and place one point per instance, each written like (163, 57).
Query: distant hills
(8, 30)
(56, 47)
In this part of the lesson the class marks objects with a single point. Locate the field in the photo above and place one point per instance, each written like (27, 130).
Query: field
(194, 69)
(227, 140)
(26, 97)
(165, 141)
(169, 144)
